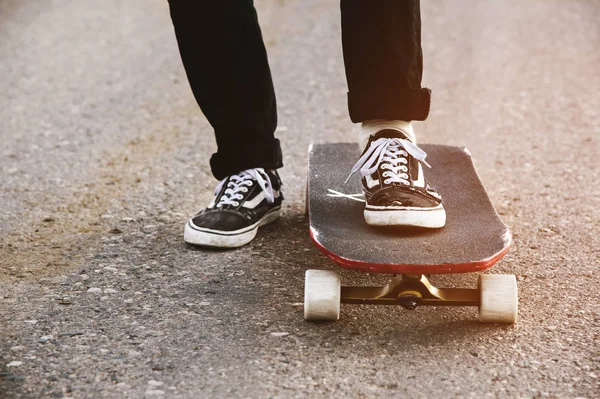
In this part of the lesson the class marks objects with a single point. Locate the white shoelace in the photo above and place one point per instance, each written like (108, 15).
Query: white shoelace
(391, 154)
(336, 194)
(239, 183)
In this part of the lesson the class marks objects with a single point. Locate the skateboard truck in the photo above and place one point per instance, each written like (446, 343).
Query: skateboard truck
(410, 291)
(496, 295)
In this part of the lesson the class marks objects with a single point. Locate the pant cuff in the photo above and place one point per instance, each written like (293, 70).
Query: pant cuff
(257, 155)
(408, 105)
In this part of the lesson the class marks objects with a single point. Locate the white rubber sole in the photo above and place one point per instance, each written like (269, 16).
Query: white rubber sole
(193, 234)
(433, 218)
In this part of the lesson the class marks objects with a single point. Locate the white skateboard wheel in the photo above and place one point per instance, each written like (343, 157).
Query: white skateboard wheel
(499, 298)
(322, 293)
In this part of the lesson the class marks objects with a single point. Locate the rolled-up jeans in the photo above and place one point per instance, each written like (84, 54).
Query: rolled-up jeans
(225, 59)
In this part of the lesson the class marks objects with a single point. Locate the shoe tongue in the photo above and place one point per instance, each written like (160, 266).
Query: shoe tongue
(390, 134)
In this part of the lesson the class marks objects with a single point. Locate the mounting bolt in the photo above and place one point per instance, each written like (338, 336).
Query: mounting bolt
(409, 300)
(410, 304)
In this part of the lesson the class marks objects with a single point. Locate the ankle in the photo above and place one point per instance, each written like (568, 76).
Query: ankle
(371, 127)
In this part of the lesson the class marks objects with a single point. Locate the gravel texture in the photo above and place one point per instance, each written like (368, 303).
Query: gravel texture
(104, 155)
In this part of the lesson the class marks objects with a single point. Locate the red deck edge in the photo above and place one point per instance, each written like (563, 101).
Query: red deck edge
(413, 269)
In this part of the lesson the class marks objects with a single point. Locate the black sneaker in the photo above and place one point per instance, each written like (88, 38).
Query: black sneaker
(243, 202)
(395, 188)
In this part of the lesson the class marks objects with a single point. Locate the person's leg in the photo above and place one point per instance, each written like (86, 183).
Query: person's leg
(226, 63)
(384, 60)
(384, 67)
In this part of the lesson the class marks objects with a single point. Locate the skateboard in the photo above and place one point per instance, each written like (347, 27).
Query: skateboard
(473, 239)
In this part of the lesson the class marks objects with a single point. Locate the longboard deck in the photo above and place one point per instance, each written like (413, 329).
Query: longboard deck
(473, 239)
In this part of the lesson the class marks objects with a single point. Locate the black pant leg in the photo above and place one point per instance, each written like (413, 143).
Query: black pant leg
(226, 63)
(384, 59)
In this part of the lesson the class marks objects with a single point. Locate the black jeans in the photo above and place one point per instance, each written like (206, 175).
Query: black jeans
(226, 63)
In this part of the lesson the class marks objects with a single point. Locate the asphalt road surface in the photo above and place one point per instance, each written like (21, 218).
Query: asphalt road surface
(104, 154)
